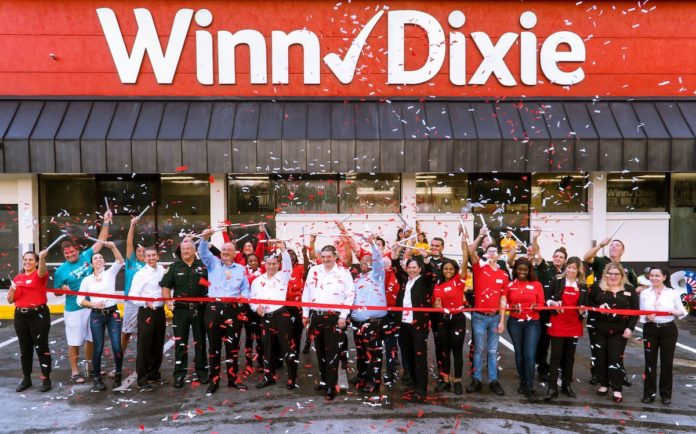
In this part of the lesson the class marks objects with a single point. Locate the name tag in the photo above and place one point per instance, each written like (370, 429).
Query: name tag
(28, 282)
(498, 280)
(627, 293)
(179, 274)
(530, 287)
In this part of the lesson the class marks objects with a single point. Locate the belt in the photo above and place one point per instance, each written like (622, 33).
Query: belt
(155, 308)
(371, 321)
(107, 311)
(279, 311)
(488, 313)
(326, 312)
(31, 309)
(662, 324)
(189, 306)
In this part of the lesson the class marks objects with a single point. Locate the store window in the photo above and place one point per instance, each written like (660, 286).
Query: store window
(502, 201)
(251, 199)
(561, 192)
(10, 265)
(440, 193)
(74, 204)
(636, 192)
(363, 194)
(306, 194)
(682, 215)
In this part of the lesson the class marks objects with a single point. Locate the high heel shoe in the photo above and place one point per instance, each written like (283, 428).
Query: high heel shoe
(618, 399)
(601, 392)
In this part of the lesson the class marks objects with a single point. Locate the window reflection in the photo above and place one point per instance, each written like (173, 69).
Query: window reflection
(562, 192)
(437, 193)
(302, 194)
(627, 192)
(361, 194)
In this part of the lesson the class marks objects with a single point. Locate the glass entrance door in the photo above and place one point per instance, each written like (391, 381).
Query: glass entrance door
(682, 224)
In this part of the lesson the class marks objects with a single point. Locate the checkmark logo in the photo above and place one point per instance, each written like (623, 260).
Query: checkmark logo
(344, 69)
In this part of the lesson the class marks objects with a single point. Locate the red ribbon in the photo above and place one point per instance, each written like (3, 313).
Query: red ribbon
(325, 306)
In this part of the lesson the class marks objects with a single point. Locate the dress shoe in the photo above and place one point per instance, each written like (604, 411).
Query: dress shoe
(236, 385)
(626, 382)
(551, 393)
(406, 377)
(330, 394)
(496, 388)
(568, 391)
(99, 384)
(602, 392)
(666, 401)
(145, 386)
(201, 378)
(319, 387)
(370, 388)
(24, 385)
(178, 383)
(594, 381)
(355, 379)
(522, 389)
(618, 398)
(458, 388)
(265, 383)
(305, 350)
(442, 386)
(212, 388)
(474, 386)
(117, 380)
(647, 399)
(45, 385)
(291, 385)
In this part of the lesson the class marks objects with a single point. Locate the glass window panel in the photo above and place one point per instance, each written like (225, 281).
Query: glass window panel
(251, 199)
(559, 192)
(682, 220)
(302, 194)
(628, 192)
(184, 206)
(439, 193)
(503, 202)
(67, 203)
(361, 194)
(9, 244)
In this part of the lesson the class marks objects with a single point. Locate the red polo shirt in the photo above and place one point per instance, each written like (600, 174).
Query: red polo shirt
(296, 284)
(526, 294)
(31, 289)
(489, 285)
(451, 294)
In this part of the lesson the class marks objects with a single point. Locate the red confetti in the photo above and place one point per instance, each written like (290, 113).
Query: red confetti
(182, 168)
(211, 179)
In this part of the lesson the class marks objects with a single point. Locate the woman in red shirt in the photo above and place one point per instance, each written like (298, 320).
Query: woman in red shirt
(449, 327)
(32, 319)
(569, 289)
(523, 294)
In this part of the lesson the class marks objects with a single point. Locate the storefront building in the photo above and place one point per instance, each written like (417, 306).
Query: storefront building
(571, 116)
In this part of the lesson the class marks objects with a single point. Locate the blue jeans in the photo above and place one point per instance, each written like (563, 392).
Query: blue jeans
(485, 329)
(98, 321)
(525, 337)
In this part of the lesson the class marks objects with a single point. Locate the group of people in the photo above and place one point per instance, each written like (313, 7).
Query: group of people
(392, 297)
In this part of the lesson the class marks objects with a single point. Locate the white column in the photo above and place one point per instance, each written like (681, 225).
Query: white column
(28, 212)
(218, 204)
(597, 205)
(408, 198)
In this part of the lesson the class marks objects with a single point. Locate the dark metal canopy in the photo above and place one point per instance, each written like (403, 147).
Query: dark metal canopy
(111, 136)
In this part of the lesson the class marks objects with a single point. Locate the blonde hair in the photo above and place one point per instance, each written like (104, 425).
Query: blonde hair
(604, 284)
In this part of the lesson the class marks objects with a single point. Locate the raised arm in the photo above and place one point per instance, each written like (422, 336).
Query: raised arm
(312, 247)
(208, 259)
(117, 255)
(286, 272)
(104, 232)
(130, 249)
(465, 255)
(535, 250)
(473, 256)
(42, 270)
(590, 255)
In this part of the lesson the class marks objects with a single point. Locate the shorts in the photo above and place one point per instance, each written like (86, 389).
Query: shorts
(130, 317)
(77, 329)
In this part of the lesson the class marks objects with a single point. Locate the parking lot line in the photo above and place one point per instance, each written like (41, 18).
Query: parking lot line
(682, 346)
(9, 341)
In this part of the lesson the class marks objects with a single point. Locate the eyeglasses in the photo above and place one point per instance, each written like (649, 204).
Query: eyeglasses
(614, 274)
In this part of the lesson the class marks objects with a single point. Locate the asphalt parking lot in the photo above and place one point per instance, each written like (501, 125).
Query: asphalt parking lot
(75, 408)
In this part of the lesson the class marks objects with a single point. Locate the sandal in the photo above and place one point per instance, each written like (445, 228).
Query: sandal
(77, 379)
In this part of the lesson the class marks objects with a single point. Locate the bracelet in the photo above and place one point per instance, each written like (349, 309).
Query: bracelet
(106, 223)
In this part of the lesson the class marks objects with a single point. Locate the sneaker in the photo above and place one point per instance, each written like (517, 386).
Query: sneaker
(442, 386)
(474, 386)
(24, 385)
(99, 385)
(496, 388)
(532, 396)
(145, 386)
(117, 380)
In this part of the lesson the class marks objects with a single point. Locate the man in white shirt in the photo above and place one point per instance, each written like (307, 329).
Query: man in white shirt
(328, 283)
(151, 320)
(276, 320)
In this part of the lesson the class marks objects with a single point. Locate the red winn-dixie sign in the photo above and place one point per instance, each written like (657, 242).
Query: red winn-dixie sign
(357, 49)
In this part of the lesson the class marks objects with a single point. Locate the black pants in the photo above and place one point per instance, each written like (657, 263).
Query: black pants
(328, 341)
(252, 332)
(563, 358)
(663, 340)
(297, 329)
(32, 328)
(391, 341)
(591, 335)
(449, 332)
(369, 338)
(224, 322)
(151, 328)
(277, 326)
(413, 340)
(544, 342)
(188, 319)
(610, 351)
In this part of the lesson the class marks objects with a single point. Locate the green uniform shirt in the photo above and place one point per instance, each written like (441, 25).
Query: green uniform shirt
(186, 281)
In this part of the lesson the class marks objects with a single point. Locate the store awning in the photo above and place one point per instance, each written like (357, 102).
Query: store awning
(147, 136)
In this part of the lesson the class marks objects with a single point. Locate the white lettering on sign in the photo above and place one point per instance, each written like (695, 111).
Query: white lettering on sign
(165, 63)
